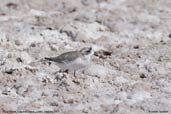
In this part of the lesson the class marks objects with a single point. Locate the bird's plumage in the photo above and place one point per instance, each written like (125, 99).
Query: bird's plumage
(73, 60)
(65, 57)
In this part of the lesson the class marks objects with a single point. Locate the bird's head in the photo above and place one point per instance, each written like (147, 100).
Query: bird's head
(87, 51)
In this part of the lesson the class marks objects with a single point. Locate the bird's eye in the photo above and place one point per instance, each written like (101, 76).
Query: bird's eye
(88, 51)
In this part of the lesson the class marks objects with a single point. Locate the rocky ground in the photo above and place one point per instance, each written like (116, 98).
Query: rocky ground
(130, 72)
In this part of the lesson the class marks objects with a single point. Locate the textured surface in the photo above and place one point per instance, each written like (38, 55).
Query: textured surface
(132, 75)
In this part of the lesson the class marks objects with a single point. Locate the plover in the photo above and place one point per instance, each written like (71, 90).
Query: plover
(73, 60)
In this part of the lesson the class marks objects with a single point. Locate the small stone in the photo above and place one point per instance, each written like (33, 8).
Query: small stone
(2, 14)
(6, 92)
(136, 47)
(31, 69)
(103, 54)
(18, 59)
(70, 101)
(85, 111)
(54, 47)
(9, 71)
(49, 28)
(169, 35)
(76, 81)
(33, 45)
(18, 42)
(142, 76)
(70, 31)
(119, 46)
(2, 63)
(26, 57)
(54, 104)
(11, 5)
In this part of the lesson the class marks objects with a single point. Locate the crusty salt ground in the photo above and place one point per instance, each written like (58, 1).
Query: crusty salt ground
(135, 78)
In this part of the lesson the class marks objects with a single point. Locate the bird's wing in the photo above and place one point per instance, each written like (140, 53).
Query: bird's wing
(65, 57)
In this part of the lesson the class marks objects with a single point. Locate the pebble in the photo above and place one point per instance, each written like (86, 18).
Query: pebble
(26, 58)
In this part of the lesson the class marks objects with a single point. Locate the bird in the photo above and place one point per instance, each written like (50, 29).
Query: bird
(73, 60)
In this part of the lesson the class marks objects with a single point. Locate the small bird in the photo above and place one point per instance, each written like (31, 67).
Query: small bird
(73, 60)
